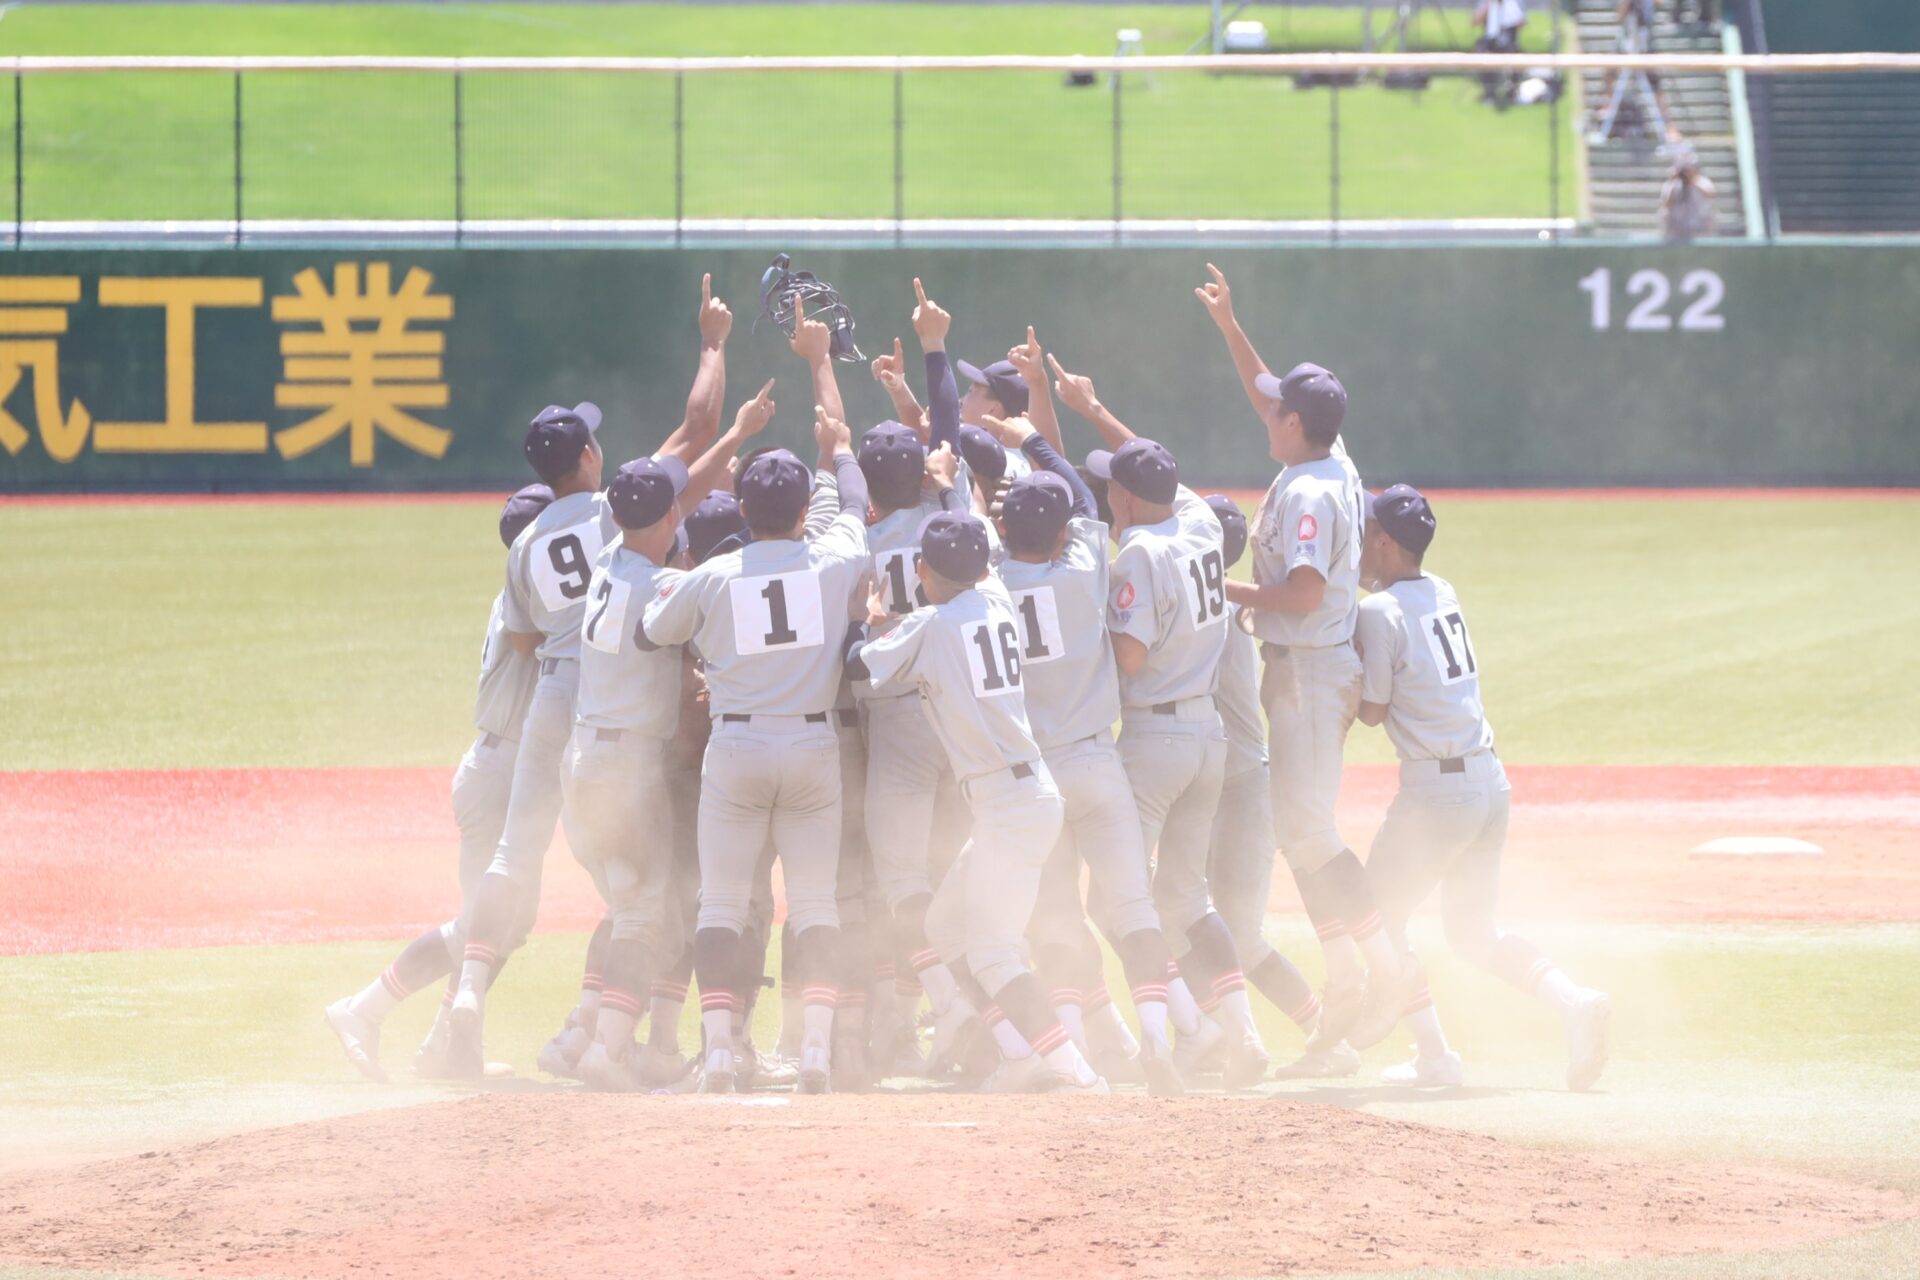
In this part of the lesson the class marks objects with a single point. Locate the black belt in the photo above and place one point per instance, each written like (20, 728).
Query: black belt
(490, 741)
(1022, 770)
(549, 665)
(606, 735)
(849, 718)
(1165, 708)
(817, 717)
(1453, 764)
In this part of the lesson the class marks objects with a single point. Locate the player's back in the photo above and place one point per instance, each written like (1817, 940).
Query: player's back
(1419, 659)
(549, 568)
(1067, 673)
(769, 620)
(1169, 591)
(965, 657)
(624, 685)
(507, 677)
(1313, 514)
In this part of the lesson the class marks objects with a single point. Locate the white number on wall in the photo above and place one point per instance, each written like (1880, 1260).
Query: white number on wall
(1651, 290)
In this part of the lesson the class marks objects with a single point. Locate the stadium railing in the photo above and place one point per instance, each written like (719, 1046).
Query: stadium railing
(793, 151)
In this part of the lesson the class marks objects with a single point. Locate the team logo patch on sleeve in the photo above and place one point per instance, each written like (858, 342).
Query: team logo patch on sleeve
(1123, 598)
(1309, 529)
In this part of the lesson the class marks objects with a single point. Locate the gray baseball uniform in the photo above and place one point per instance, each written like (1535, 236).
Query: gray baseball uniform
(1448, 821)
(1169, 593)
(911, 793)
(548, 568)
(770, 620)
(1314, 514)
(1072, 698)
(964, 658)
(1240, 867)
(627, 708)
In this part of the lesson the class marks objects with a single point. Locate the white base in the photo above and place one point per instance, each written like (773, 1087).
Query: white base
(1758, 847)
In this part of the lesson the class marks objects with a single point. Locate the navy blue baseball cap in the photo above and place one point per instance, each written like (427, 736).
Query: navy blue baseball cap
(774, 488)
(893, 458)
(1142, 467)
(955, 546)
(1403, 511)
(716, 519)
(1099, 486)
(557, 437)
(643, 491)
(986, 457)
(1002, 380)
(1035, 510)
(520, 510)
(1313, 393)
(1233, 527)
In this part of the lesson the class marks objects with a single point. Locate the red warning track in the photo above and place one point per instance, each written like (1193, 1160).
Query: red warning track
(123, 859)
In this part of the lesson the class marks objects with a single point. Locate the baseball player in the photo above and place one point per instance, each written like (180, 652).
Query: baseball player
(548, 570)
(1167, 617)
(1303, 600)
(1055, 572)
(1448, 821)
(997, 391)
(480, 789)
(961, 653)
(1240, 864)
(769, 620)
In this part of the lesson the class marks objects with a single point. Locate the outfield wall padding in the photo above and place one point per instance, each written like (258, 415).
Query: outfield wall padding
(1465, 366)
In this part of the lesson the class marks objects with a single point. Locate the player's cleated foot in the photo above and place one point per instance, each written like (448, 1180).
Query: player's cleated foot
(906, 1058)
(1587, 1039)
(562, 1054)
(1092, 1084)
(1340, 1006)
(615, 1070)
(1163, 1078)
(1247, 1063)
(816, 1071)
(430, 1059)
(1198, 1054)
(1386, 1002)
(359, 1038)
(1119, 1066)
(950, 1029)
(1443, 1072)
(1322, 1064)
(852, 1070)
(466, 1057)
(1030, 1074)
(717, 1072)
(663, 1068)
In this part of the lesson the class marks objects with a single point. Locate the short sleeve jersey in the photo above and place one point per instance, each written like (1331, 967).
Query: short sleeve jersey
(964, 657)
(622, 684)
(769, 620)
(1168, 590)
(1239, 701)
(894, 542)
(1315, 515)
(1419, 661)
(549, 567)
(1066, 661)
(507, 677)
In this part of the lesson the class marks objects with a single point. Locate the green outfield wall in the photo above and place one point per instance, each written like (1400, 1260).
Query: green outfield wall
(1561, 365)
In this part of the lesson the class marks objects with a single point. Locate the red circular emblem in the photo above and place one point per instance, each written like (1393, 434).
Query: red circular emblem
(1124, 597)
(1309, 528)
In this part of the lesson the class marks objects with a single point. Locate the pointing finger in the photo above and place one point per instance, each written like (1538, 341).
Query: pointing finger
(765, 390)
(898, 354)
(919, 291)
(706, 290)
(1032, 341)
(1215, 272)
(1054, 362)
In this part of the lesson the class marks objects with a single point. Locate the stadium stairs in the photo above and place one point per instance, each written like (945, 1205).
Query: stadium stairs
(1625, 173)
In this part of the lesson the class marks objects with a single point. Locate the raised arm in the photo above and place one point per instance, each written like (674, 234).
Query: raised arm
(1027, 359)
(836, 452)
(704, 403)
(890, 371)
(930, 325)
(813, 343)
(1019, 433)
(706, 474)
(1217, 298)
(1076, 392)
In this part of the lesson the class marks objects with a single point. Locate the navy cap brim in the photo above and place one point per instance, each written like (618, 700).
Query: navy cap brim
(972, 373)
(588, 412)
(1268, 385)
(1100, 462)
(676, 471)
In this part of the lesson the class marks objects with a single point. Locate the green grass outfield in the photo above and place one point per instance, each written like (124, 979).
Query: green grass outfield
(160, 145)
(305, 634)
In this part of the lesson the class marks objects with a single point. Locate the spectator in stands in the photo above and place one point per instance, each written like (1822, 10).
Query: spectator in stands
(1499, 22)
(1706, 14)
(1686, 201)
(1636, 19)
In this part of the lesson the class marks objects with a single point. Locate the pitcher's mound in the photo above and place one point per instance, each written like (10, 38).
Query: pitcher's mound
(580, 1186)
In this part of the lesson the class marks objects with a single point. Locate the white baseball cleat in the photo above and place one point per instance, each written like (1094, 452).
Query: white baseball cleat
(610, 1070)
(1386, 1002)
(716, 1075)
(1587, 1039)
(1443, 1072)
(359, 1038)
(562, 1054)
(1247, 1063)
(660, 1068)
(1322, 1064)
(948, 1038)
(1092, 1085)
(816, 1069)
(1200, 1051)
(1030, 1074)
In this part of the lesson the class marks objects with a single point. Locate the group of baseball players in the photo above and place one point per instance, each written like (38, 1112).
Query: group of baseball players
(895, 672)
